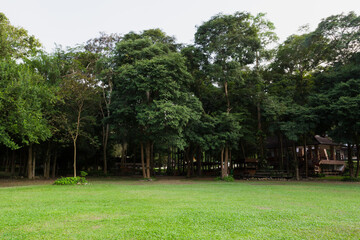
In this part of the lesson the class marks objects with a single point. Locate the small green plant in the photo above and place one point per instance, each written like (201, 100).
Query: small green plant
(350, 179)
(229, 178)
(70, 181)
(83, 173)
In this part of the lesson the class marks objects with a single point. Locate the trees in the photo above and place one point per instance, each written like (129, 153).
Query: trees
(231, 44)
(24, 96)
(15, 43)
(151, 99)
(78, 89)
(104, 47)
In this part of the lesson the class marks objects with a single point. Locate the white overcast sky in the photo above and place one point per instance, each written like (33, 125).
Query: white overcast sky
(71, 22)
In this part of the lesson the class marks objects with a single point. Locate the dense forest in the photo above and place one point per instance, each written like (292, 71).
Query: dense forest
(141, 103)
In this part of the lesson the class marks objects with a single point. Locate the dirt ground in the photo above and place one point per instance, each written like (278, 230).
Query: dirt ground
(136, 180)
(108, 180)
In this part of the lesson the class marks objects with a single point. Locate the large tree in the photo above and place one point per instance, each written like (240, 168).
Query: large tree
(151, 99)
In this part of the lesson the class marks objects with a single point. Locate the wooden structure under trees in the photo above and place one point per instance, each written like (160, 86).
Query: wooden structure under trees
(320, 156)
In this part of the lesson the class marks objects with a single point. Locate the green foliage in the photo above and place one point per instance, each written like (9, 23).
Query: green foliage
(24, 100)
(228, 178)
(83, 173)
(151, 90)
(71, 181)
(350, 179)
(15, 43)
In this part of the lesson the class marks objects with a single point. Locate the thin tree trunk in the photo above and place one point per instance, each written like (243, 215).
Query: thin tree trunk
(74, 158)
(187, 159)
(168, 164)
(34, 165)
(29, 165)
(142, 159)
(243, 150)
(281, 152)
(148, 158)
(152, 157)
(350, 161)
(105, 142)
(13, 163)
(123, 155)
(54, 165)
(199, 160)
(7, 164)
(47, 163)
(357, 160)
(261, 141)
(222, 163)
(296, 163)
(226, 162)
(228, 108)
(306, 159)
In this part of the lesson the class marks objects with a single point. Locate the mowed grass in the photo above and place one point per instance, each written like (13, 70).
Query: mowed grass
(203, 210)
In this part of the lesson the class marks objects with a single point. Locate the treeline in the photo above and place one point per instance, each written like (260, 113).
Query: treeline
(143, 101)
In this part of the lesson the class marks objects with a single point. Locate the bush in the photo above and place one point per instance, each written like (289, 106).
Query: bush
(350, 179)
(70, 181)
(229, 178)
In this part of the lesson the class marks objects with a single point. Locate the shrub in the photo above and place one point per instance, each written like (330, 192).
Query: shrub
(83, 173)
(229, 178)
(70, 181)
(350, 179)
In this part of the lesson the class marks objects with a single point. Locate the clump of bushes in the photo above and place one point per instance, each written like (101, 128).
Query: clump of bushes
(229, 178)
(72, 180)
(350, 179)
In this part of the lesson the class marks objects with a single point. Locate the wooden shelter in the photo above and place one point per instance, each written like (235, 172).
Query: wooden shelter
(320, 155)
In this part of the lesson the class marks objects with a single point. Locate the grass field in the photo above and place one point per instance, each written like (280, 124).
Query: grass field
(182, 210)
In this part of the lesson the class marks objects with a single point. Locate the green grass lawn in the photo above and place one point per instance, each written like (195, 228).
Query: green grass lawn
(204, 210)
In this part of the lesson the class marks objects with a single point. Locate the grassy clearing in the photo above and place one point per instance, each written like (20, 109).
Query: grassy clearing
(205, 210)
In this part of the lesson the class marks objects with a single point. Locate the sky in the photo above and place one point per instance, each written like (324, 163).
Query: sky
(71, 22)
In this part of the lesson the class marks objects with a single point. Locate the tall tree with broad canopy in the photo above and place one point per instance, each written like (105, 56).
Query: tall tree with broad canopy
(79, 91)
(151, 99)
(104, 48)
(231, 44)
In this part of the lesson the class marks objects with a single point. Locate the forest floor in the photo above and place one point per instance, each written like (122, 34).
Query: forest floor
(179, 208)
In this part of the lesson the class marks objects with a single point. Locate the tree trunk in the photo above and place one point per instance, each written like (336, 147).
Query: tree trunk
(261, 141)
(226, 162)
(47, 163)
(123, 155)
(105, 142)
(29, 165)
(152, 157)
(54, 165)
(7, 164)
(187, 159)
(243, 150)
(228, 108)
(296, 163)
(281, 152)
(168, 164)
(13, 163)
(199, 159)
(34, 165)
(142, 160)
(306, 159)
(222, 163)
(350, 161)
(148, 158)
(357, 160)
(74, 158)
